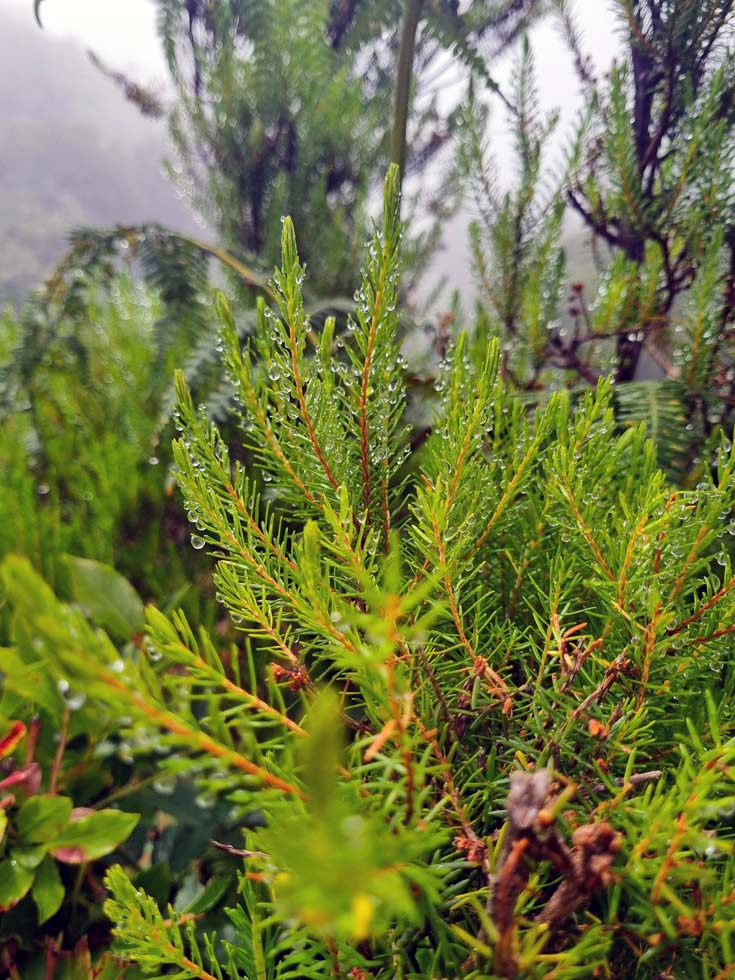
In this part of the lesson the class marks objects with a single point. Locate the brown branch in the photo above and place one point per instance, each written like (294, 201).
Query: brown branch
(194, 737)
(454, 608)
(599, 226)
(239, 692)
(648, 647)
(255, 527)
(305, 414)
(636, 779)
(674, 630)
(506, 497)
(531, 837)
(619, 665)
(449, 787)
(587, 534)
(271, 439)
(713, 636)
(59, 756)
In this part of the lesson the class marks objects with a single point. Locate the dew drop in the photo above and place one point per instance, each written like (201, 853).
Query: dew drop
(153, 654)
(165, 784)
(205, 801)
(73, 699)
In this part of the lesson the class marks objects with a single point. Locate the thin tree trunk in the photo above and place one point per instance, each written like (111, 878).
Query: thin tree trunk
(409, 30)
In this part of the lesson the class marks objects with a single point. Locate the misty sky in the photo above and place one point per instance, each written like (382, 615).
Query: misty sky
(123, 33)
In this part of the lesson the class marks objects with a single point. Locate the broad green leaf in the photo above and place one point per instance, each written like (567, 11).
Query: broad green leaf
(109, 599)
(25, 676)
(3, 825)
(47, 890)
(15, 882)
(30, 857)
(42, 818)
(94, 835)
(208, 898)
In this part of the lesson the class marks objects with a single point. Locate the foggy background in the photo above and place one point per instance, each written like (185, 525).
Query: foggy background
(73, 151)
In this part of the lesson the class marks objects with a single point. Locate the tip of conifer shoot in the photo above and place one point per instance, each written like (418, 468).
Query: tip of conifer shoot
(223, 310)
(391, 199)
(183, 395)
(289, 252)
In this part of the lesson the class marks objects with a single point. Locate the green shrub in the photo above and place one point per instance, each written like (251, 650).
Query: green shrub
(84, 474)
(635, 232)
(479, 723)
(84, 468)
(77, 778)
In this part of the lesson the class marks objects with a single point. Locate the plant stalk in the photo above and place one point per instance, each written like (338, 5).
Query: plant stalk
(409, 29)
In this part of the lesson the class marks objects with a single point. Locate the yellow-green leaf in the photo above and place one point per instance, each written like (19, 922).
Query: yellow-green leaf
(15, 882)
(93, 835)
(42, 818)
(47, 890)
(108, 598)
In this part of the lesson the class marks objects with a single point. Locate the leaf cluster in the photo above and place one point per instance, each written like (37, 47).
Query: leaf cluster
(485, 723)
(647, 172)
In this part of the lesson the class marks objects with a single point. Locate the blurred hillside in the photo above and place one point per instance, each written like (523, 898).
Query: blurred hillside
(72, 152)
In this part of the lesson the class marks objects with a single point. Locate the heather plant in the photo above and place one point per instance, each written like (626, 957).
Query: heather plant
(83, 396)
(478, 721)
(80, 789)
(86, 481)
(285, 106)
(646, 186)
